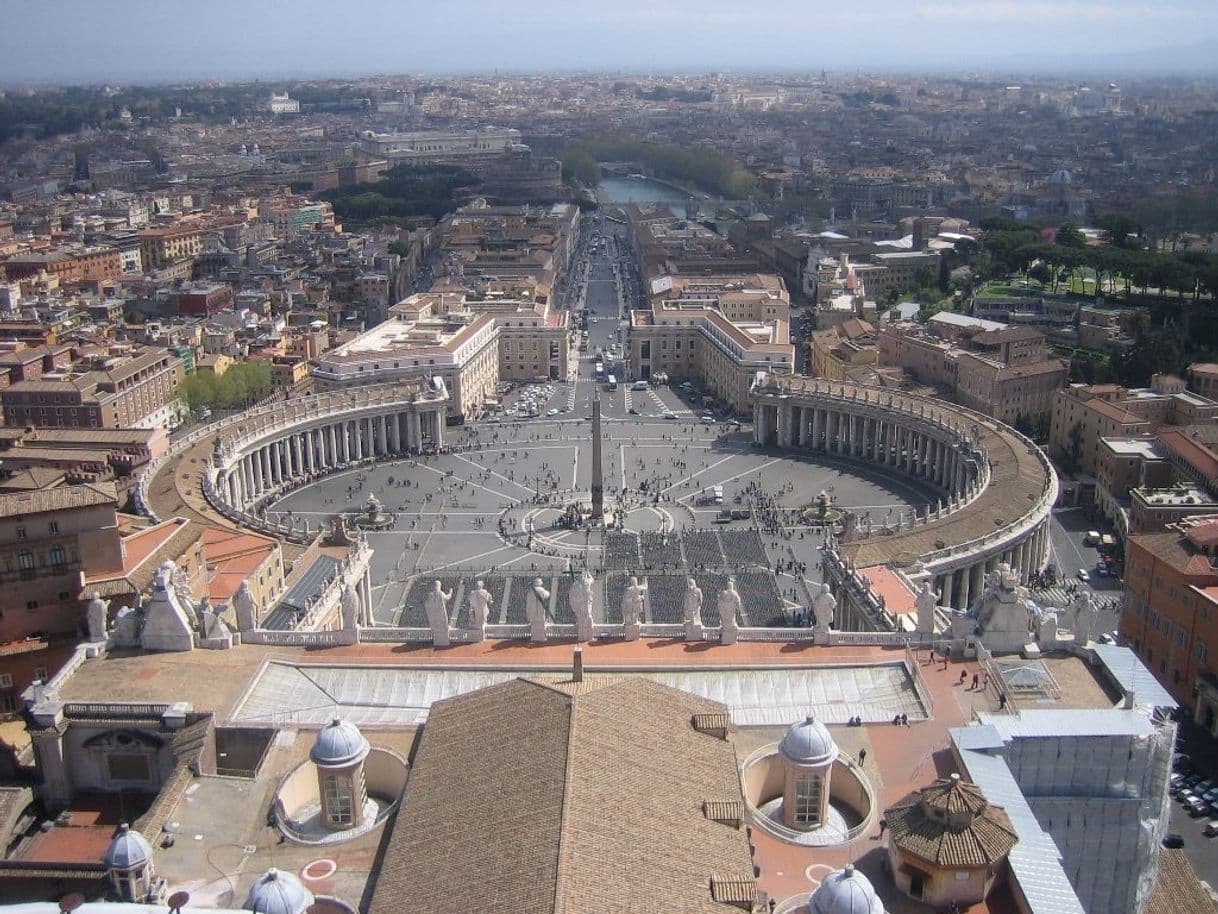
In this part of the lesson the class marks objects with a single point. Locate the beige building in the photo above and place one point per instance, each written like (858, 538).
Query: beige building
(840, 349)
(719, 331)
(1083, 414)
(429, 335)
(997, 370)
(160, 247)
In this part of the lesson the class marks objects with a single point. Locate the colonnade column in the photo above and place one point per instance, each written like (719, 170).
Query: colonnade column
(945, 598)
(437, 435)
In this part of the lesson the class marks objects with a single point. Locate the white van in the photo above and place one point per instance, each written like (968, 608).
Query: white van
(639, 385)
(1092, 538)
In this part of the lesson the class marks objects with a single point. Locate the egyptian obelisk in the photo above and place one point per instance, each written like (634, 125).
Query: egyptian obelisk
(598, 475)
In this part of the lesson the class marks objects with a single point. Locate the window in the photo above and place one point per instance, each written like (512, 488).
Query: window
(21, 533)
(128, 766)
(53, 526)
(1199, 650)
(31, 604)
(59, 558)
(807, 801)
(25, 561)
(337, 800)
(6, 681)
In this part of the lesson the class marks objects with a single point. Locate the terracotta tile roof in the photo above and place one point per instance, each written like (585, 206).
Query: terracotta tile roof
(949, 823)
(60, 499)
(1177, 888)
(526, 798)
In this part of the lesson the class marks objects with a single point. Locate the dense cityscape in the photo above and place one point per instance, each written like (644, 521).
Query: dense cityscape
(605, 492)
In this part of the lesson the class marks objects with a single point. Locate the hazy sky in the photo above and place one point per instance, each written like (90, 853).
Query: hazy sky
(127, 40)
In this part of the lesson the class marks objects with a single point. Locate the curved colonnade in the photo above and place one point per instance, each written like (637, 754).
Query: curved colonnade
(998, 486)
(265, 451)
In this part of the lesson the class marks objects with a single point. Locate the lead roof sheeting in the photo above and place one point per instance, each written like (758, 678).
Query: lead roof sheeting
(1132, 674)
(1035, 861)
(311, 582)
(311, 694)
(1070, 722)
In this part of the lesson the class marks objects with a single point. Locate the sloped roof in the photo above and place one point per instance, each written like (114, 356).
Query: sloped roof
(527, 798)
(950, 823)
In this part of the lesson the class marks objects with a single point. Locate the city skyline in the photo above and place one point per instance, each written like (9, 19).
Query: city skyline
(140, 41)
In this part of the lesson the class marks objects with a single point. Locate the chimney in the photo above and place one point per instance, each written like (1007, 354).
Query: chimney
(577, 669)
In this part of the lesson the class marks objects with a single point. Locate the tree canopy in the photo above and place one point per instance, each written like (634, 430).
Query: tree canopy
(241, 386)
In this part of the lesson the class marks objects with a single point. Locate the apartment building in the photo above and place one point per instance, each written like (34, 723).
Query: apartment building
(1083, 414)
(1170, 613)
(73, 263)
(840, 351)
(48, 541)
(131, 387)
(997, 370)
(161, 247)
(717, 331)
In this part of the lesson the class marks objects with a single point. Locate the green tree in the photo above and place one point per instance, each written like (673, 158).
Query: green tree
(580, 164)
(1069, 236)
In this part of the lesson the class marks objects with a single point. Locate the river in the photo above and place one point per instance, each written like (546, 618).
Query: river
(635, 190)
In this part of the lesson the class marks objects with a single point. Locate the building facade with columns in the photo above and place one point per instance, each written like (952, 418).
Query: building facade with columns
(262, 455)
(997, 486)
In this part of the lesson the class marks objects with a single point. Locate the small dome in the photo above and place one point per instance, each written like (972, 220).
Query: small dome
(277, 892)
(1061, 176)
(808, 743)
(845, 891)
(339, 744)
(127, 850)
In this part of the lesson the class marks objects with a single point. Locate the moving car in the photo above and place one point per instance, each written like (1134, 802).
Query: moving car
(1082, 575)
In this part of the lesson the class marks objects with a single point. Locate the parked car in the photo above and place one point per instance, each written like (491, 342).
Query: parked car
(1211, 828)
(1174, 839)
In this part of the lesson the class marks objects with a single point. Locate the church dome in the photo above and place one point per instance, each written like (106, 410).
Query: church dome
(845, 891)
(338, 745)
(277, 892)
(808, 743)
(127, 850)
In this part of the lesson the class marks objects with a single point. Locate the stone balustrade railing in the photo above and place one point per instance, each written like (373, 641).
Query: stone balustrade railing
(267, 422)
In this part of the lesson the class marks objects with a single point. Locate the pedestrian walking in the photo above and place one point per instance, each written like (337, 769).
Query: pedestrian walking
(976, 679)
(862, 756)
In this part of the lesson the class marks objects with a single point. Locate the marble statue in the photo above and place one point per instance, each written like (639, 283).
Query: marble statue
(535, 604)
(1083, 621)
(246, 608)
(350, 608)
(633, 603)
(693, 610)
(1046, 629)
(1001, 617)
(96, 618)
(181, 584)
(581, 605)
(436, 606)
(824, 608)
(479, 607)
(927, 601)
(214, 633)
(729, 612)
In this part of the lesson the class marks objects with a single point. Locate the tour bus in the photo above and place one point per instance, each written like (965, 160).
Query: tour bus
(611, 382)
